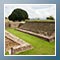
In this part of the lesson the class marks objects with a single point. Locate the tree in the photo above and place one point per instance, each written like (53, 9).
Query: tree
(50, 18)
(18, 15)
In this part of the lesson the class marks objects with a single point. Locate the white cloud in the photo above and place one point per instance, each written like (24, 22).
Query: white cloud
(34, 10)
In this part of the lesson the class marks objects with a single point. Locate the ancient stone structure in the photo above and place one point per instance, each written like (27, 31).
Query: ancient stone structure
(7, 24)
(45, 29)
(12, 24)
(14, 45)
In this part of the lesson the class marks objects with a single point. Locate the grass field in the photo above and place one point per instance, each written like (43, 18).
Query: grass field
(41, 47)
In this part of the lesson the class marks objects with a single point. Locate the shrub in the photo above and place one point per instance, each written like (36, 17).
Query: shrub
(50, 18)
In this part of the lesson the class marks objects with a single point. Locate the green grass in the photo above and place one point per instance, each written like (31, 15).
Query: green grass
(40, 20)
(41, 47)
(7, 53)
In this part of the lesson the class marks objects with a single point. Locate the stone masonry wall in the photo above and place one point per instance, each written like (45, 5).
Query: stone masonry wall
(14, 44)
(46, 28)
(13, 24)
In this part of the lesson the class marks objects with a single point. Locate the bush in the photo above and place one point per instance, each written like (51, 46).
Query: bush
(50, 18)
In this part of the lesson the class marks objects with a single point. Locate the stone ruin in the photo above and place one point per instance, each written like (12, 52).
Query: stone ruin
(11, 24)
(14, 45)
(42, 29)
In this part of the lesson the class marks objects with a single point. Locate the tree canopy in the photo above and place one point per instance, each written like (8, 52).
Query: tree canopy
(50, 18)
(18, 15)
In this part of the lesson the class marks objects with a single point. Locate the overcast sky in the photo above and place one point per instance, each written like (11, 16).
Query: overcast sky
(33, 10)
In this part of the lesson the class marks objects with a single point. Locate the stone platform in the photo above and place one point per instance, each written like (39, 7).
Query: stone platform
(48, 38)
(14, 45)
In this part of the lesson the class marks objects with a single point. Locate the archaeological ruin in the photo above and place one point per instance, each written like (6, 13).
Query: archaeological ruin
(14, 45)
(41, 29)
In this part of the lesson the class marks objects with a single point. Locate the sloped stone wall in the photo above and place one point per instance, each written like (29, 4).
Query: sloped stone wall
(46, 28)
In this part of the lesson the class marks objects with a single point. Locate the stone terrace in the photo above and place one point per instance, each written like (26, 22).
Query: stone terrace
(17, 44)
(45, 29)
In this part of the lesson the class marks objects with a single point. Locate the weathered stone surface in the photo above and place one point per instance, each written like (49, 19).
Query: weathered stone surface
(40, 29)
(17, 45)
(48, 38)
(46, 28)
(9, 43)
(12, 24)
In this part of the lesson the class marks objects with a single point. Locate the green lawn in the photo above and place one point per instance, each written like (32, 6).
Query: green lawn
(41, 47)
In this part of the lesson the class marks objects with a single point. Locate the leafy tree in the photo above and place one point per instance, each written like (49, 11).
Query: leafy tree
(18, 15)
(50, 18)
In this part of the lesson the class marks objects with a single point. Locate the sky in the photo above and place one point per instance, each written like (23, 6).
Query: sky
(34, 10)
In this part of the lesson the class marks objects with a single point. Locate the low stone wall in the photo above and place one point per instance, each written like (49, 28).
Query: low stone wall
(14, 45)
(48, 38)
(12, 24)
(7, 24)
(15, 24)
